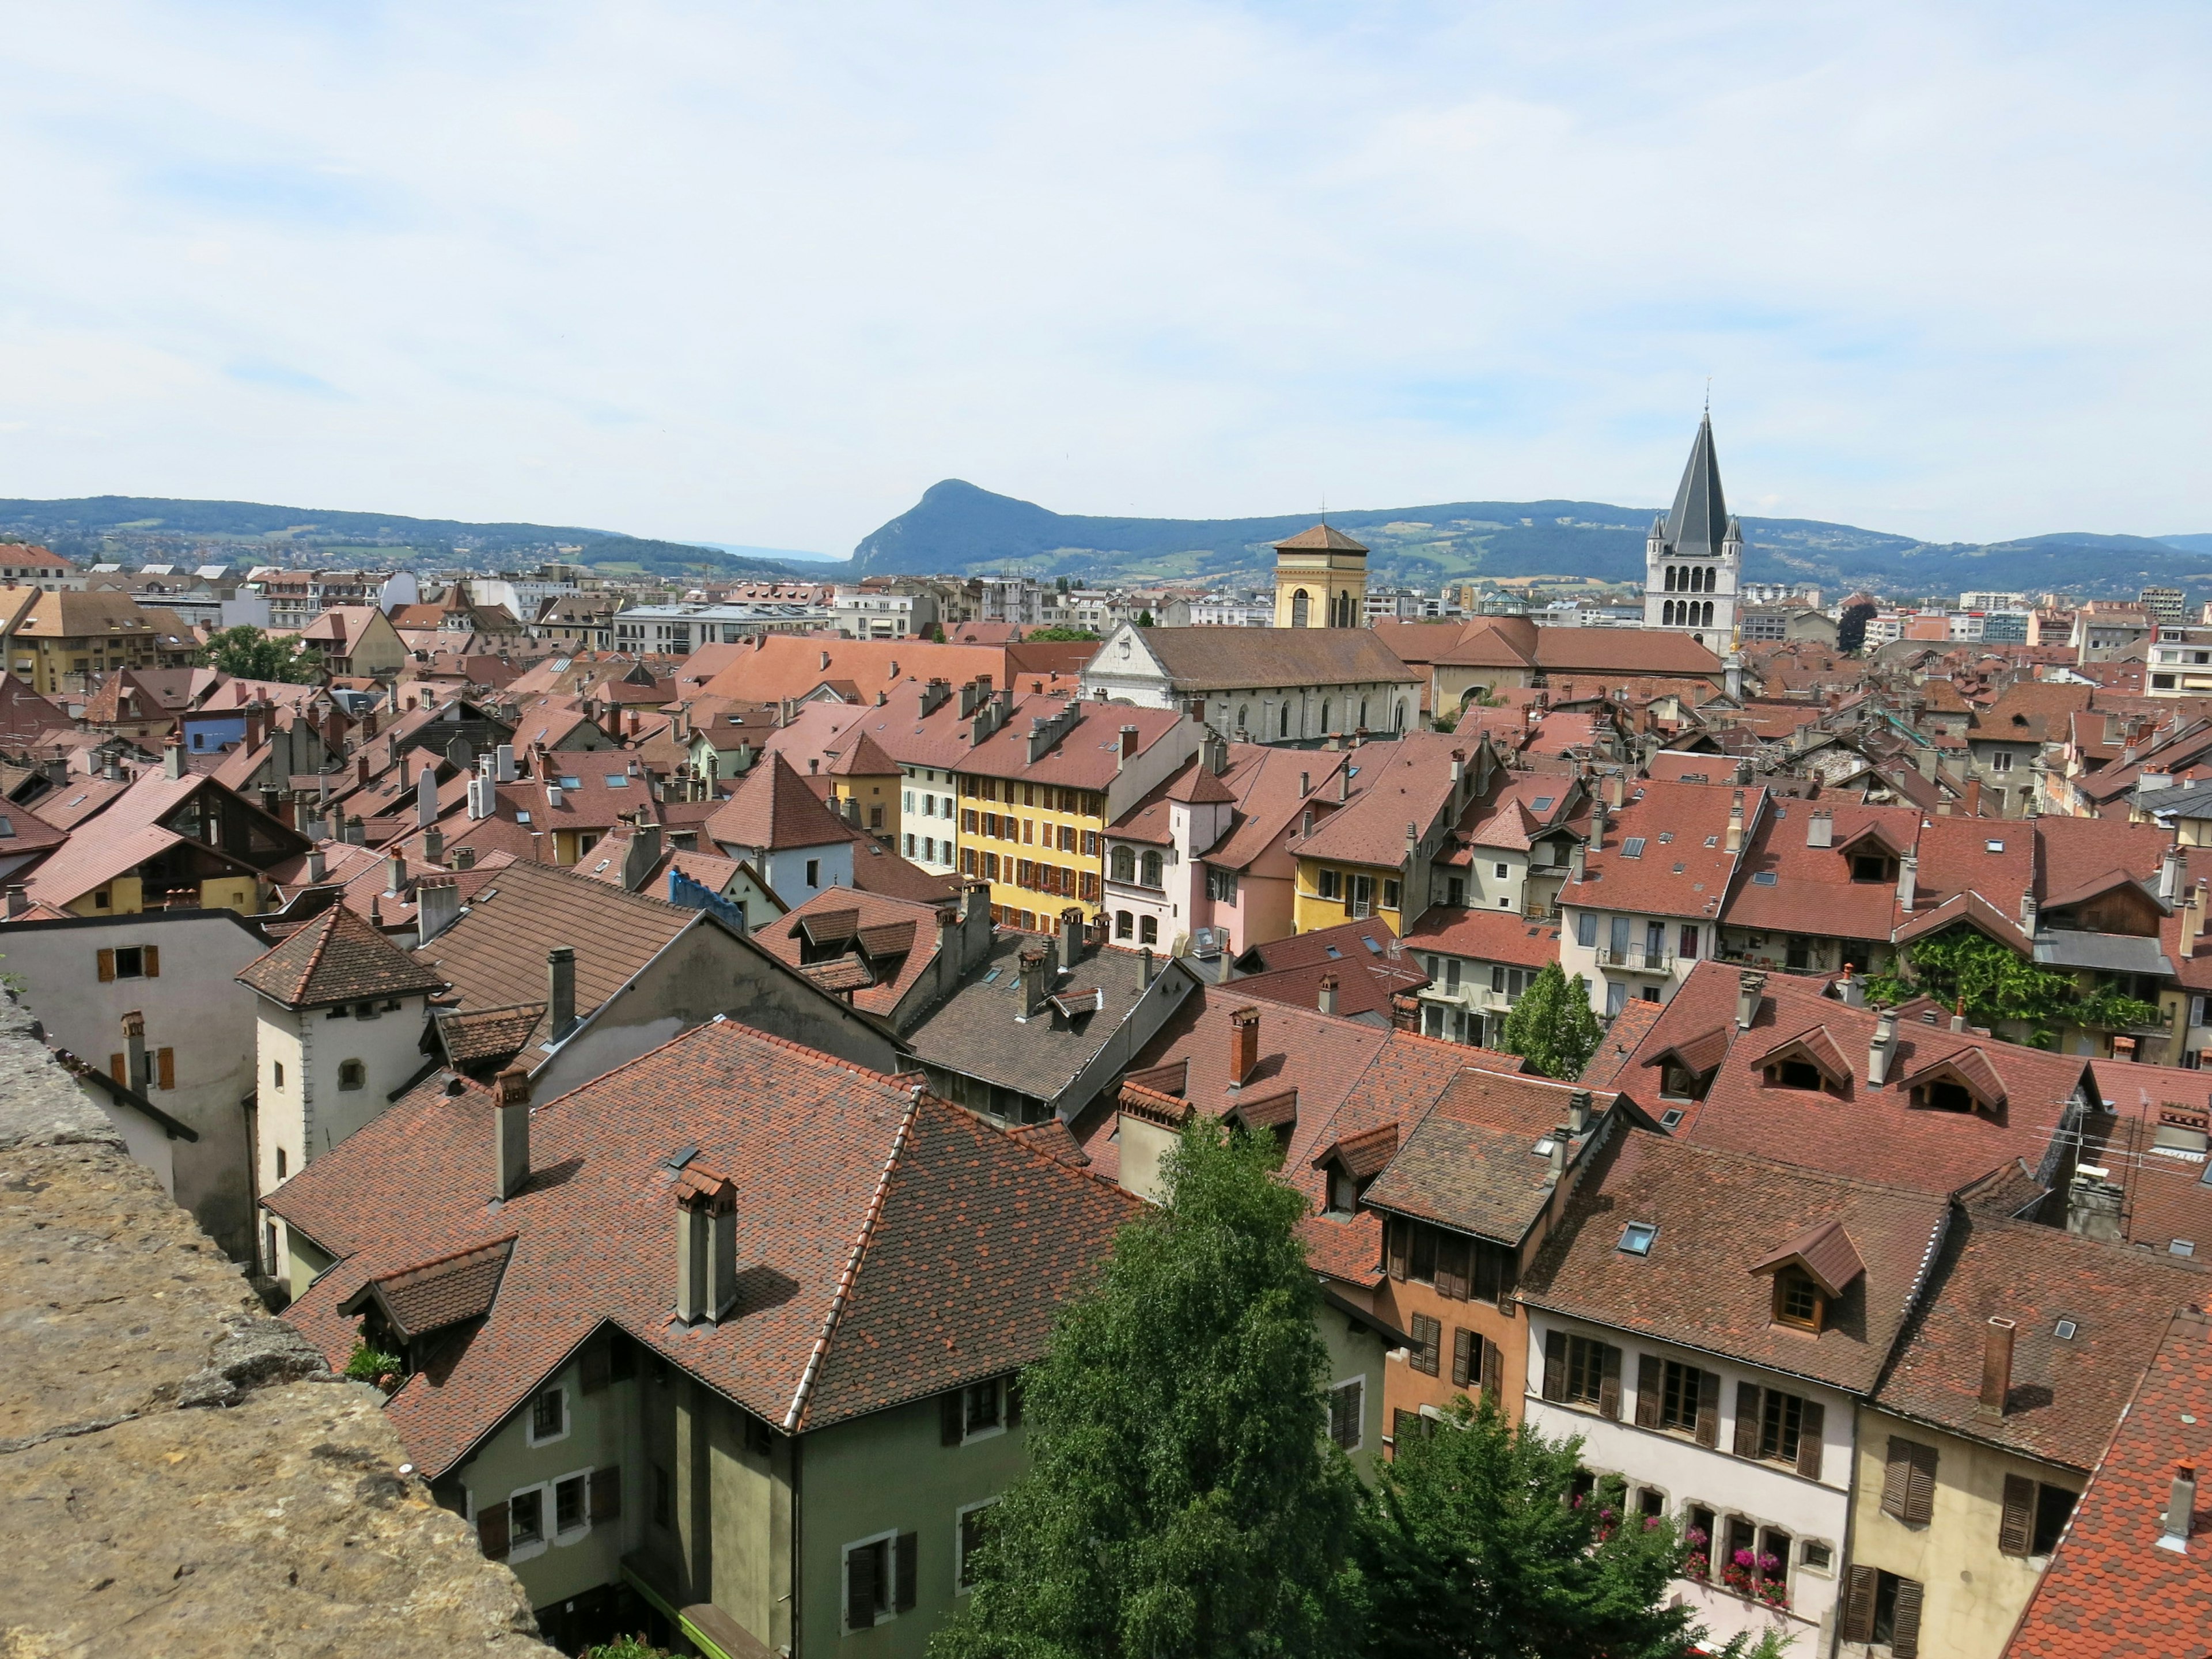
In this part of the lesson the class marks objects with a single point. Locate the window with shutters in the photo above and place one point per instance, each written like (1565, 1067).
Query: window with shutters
(983, 1410)
(870, 1568)
(1348, 1412)
(2034, 1515)
(1407, 1425)
(971, 1524)
(1467, 1358)
(1882, 1607)
(1908, 1482)
(1580, 1370)
(525, 1517)
(1781, 1423)
(1428, 1340)
(569, 1514)
(1679, 1394)
(549, 1416)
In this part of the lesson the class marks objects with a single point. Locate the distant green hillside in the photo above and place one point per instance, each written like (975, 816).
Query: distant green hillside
(95, 527)
(956, 527)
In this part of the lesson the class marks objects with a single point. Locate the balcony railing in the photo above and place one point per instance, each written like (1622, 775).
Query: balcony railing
(1636, 955)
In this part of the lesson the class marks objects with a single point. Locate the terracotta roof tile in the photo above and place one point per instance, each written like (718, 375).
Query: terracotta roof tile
(337, 957)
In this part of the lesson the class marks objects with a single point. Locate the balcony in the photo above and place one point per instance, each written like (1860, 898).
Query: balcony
(1638, 956)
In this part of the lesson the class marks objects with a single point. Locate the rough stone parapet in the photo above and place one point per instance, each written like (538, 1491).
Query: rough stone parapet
(179, 1473)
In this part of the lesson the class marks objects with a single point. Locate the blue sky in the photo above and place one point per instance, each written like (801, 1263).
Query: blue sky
(761, 275)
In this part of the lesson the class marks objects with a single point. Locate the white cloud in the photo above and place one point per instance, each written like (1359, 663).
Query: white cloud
(763, 275)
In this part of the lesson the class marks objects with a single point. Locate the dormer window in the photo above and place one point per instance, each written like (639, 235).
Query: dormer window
(1943, 1097)
(1795, 1074)
(1869, 866)
(1797, 1300)
(1343, 1194)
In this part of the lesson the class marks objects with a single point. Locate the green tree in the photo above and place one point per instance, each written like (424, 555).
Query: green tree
(1964, 967)
(1552, 1026)
(1145, 619)
(1059, 633)
(1851, 627)
(251, 654)
(1181, 1498)
(937, 633)
(1474, 1547)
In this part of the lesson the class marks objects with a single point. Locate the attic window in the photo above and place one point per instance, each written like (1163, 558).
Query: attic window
(1766, 878)
(2064, 1330)
(1993, 845)
(1636, 1238)
(522, 817)
(1798, 1300)
(1543, 803)
(2182, 1246)
(1632, 847)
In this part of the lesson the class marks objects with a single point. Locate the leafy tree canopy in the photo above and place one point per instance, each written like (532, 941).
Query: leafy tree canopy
(251, 654)
(1474, 1547)
(1059, 633)
(1181, 1499)
(1851, 627)
(1552, 1026)
(1962, 966)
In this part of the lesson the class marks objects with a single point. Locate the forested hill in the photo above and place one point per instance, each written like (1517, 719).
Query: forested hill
(959, 527)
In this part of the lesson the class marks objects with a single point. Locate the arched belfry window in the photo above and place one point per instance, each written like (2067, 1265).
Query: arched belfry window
(1301, 610)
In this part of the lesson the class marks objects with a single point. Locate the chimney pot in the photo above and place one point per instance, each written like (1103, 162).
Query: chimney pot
(513, 1114)
(1997, 1370)
(561, 989)
(1578, 1110)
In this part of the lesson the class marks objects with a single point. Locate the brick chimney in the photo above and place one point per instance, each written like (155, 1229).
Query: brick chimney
(1243, 1044)
(561, 989)
(1997, 1370)
(513, 1111)
(1328, 998)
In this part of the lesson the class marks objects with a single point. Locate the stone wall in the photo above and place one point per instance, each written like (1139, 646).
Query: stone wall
(179, 1473)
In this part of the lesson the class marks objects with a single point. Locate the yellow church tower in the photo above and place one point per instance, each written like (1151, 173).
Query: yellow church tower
(1320, 580)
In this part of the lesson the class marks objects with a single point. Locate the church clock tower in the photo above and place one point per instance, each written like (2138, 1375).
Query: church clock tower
(1320, 580)
(1693, 561)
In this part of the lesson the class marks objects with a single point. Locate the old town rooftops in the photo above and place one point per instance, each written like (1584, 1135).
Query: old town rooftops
(1666, 851)
(957, 1243)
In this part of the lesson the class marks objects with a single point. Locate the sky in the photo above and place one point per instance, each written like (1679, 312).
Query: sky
(761, 274)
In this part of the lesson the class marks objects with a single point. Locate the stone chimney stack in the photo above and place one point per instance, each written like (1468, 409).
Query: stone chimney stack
(2170, 873)
(1852, 989)
(172, 759)
(425, 796)
(706, 1244)
(1882, 1047)
(2030, 913)
(1997, 1370)
(437, 907)
(1820, 830)
(2092, 1204)
(2180, 1509)
(1070, 939)
(1035, 963)
(561, 989)
(434, 845)
(513, 1111)
(1908, 881)
(1734, 841)
(1578, 1111)
(18, 899)
(1151, 971)
(2192, 917)
(1243, 1044)
(1749, 987)
(1328, 998)
(1616, 790)
(395, 875)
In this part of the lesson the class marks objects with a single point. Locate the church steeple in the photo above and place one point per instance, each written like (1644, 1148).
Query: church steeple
(1699, 522)
(1695, 550)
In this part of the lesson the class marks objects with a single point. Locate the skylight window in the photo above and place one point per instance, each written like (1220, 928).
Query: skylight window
(2182, 1246)
(1543, 802)
(1766, 878)
(568, 783)
(1370, 945)
(1543, 1148)
(1632, 847)
(2064, 1330)
(992, 977)
(1669, 1118)
(1636, 1238)
(618, 779)
(1665, 837)
(1712, 840)
(522, 817)
(1994, 846)
(1334, 953)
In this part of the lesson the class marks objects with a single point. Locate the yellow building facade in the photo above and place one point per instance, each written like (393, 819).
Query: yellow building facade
(1038, 845)
(1320, 580)
(1331, 893)
(57, 642)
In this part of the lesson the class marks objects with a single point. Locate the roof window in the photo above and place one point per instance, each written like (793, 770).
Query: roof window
(522, 817)
(1370, 945)
(1632, 847)
(1636, 1238)
(1993, 845)
(570, 783)
(1766, 878)
(618, 779)
(2064, 1330)
(1665, 837)
(2182, 1246)
(1543, 802)
(1671, 1117)
(1334, 953)
(1712, 840)
(1543, 1148)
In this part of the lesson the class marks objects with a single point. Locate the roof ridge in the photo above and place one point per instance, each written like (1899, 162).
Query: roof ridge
(509, 1237)
(842, 1295)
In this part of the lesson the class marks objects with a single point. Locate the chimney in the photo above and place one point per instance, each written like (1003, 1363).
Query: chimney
(1035, 963)
(437, 906)
(135, 1071)
(642, 855)
(705, 1246)
(1578, 1109)
(172, 759)
(395, 874)
(1556, 1164)
(1149, 972)
(361, 768)
(314, 866)
(1882, 1047)
(1576, 856)
(464, 858)
(111, 768)
(513, 1113)
(1852, 989)
(18, 899)
(1997, 1370)
(1343, 783)
(1327, 999)
(1070, 939)
(1820, 830)
(1128, 746)
(1734, 841)
(1305, 785)
(1243, 1044)
(2170, 875)
(2180, 1509)
(1749, 988)
(561, 989)
(434, 845)
(2030, 914)
(2192, 917)
(1597, 826)
(502, 760)
(425, 796)
(356, 834)
(1959, 1016)
(1616, 790)
(2092, 1204)
(1908, 881)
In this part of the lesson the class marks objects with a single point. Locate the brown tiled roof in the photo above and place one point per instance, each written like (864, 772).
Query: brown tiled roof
(879, 871)
(1717, 1213)
(958, 1242)
(1368, 1153)
(1470, 1162)
(1238, 659)
(787, 665)
(1813, 891)
(1197, 784)
(1322, 536)
(473, 1036)
(437, 1294)
(1484, 936)
(1825, 1251)
(2168, 1196)
(772, 808)
(2067, 1392)
(2110, 1589)
(1365, 984)
(1623, 1033)
(337, 957)
(1395, 784)
(1872, 1132)
(1675, 873)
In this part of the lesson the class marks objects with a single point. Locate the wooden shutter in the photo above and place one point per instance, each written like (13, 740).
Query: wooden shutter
(151, 955)
(594, 1364)
(1811, 1424)
(606, 1494)
(165, 1067)
(1609, 1387)
(106, 966)
(1896, 1477)
(905, 1580)
(1555, 1364)
(1452, 1251)
(1493, 1371)
(2016, 1526)
(951, 1417)
(1859, 1586)
(1905, 1626)
(1920, 1488)
(862, 1566)
(491, 1530)
(1647, 1386)
(1396, 1232)
(1747, 1419)
(1404, 1425)
(1014, 1400)
(119, 1067)
(1709, 1409)
(1465, 1365)
(1429, 1334)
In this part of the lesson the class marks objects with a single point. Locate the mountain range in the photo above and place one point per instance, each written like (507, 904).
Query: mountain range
(957, 528)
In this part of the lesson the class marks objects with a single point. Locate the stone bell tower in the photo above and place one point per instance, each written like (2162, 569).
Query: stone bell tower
(1693, 563)
(1320, 580)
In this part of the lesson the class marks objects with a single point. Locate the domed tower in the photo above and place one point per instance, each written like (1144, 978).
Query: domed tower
(1694, 560)
(1320, 580)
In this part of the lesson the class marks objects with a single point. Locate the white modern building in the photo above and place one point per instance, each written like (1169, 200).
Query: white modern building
(680, 629)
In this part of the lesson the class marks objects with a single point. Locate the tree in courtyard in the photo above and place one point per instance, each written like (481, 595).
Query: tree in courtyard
(1475, 1545)
(1145, 619)
(247, 653)
(1964, 967)
(1552, 1026)
(1182, 1499)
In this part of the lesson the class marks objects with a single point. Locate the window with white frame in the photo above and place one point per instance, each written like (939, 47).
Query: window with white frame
(971, 1524)
(549, 1416)
(879, 1579)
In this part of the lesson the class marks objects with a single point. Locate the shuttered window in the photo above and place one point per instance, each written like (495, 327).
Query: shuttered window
(1467, 1356)
(606, 1494)
(165, 1068)
(1908, 1482)
(1493, 1371)
(1580, 1370)
(1428, 1339)
(1348, 1408)
(867, 1575)
(2016, 1521)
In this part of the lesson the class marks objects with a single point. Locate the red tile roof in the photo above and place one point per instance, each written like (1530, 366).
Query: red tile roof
(773, 809)
(337, 957)
(1406, 781)
(1484, 936)
(1683, 867)
(1813, 891)
(897, 938)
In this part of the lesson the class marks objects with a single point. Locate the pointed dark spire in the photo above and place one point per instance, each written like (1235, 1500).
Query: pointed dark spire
(1699, 520)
